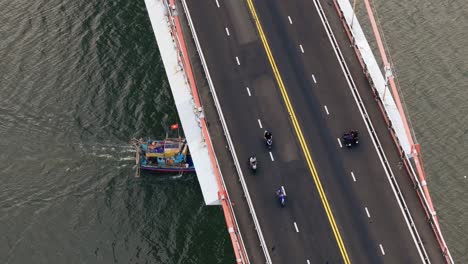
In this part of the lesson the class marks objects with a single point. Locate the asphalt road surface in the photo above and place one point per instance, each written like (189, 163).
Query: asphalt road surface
(364, 222)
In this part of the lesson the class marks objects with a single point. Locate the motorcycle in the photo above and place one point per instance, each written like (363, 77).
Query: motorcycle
(268, 139)
(253, 164)
(269, 143)
(350, 138)
(281, 195)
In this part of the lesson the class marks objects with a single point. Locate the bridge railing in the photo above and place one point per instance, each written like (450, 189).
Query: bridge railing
(223, 196)
(343, 7)
(374, 137)
(228, 138)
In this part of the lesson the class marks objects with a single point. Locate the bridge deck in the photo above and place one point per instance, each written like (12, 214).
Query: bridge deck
(223, 154)
(362, 235)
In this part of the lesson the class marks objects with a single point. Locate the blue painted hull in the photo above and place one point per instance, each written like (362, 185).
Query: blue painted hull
(171, 170)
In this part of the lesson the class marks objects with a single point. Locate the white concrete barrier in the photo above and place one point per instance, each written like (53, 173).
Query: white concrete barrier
(389, 108)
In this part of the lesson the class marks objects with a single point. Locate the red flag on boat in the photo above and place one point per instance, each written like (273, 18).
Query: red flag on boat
(174, 126)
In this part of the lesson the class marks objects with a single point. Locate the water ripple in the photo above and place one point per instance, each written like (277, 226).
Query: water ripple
(79, 79)
(427, 40)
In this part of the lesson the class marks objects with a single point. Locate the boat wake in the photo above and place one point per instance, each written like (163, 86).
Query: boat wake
(114, 152)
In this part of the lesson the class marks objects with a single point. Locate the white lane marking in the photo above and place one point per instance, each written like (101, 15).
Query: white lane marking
(290, 20)
(339, 142)
(248, 91)
(271, 156)
(326, 109)
(381, 249)
(237, 59)
(369, 126)
(313, 77)
(302, 49)
(217, 3)
(295, 226)
(260, 123)
(367, 212)
(308, 261)
(257, 224)
(352, 174)
(227, 31)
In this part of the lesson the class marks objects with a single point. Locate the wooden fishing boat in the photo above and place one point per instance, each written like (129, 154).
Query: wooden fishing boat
(169, 155)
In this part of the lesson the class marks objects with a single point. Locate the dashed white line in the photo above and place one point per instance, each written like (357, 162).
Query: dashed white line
(248, 91)
(352, 174)
(271, 156)
(381, 249)
(367, 212)
(339, 142)
(227, 31)
(290, 20)
(326, 110)
(295, 226)
(217, 3)
(313, 77)
(237, 59)
(260, 123)
(302, 49)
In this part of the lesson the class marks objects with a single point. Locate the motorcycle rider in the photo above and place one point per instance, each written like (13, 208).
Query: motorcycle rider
(268, 135)
(281, 196)
(351, 138)
(252, 160)
(348, 138)
(280, 193)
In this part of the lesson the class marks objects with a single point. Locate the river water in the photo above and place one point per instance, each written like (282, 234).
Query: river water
(79, 79)
(428, 44)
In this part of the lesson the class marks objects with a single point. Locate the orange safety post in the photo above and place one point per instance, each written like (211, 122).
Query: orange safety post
(396, 97)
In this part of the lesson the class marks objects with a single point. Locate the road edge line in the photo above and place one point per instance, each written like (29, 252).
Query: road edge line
(227, 135)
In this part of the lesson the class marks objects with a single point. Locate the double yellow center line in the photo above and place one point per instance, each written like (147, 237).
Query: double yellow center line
(300, 136)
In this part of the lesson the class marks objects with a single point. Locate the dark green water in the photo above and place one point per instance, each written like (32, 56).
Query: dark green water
(79, 79)
(428, 43)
